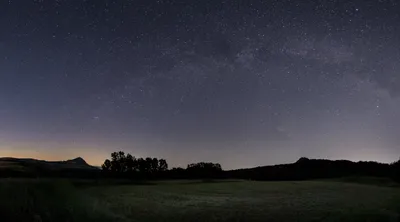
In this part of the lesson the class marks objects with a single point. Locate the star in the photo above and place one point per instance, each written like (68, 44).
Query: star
(214, 76)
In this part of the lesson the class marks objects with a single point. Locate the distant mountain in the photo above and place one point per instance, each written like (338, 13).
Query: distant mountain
(78, 161)
(305, 168)
(10, 166)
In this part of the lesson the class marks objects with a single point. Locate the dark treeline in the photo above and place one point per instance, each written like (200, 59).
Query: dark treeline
(122, 165)
(304, 169)
(396, 170)
(128, 166)
(200, 170)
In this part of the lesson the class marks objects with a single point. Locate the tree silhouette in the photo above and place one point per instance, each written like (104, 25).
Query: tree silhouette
(118, 162)
(115, 165)
(204, 170)
(162, 165)
(106, 165)
(147, 164)
(154, 165)
(130, 163)
(129, 166)
(396, 164)
(396, 170)
(141, 165)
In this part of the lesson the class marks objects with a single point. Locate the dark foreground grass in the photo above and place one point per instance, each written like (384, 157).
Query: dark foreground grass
(38, 200)
(46, 200)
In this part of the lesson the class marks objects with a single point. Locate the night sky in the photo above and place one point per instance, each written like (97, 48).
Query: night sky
(242, 83)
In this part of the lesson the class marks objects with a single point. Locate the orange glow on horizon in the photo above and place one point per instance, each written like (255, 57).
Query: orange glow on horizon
(95, 158)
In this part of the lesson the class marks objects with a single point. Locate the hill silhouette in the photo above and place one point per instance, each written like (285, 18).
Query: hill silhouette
(79, 161)
(129, 167)
(28, 167)
(305, 168)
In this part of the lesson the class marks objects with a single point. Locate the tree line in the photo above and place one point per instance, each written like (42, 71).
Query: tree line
(121, 163)
(126, 165)
(396, 167)
(304, 169)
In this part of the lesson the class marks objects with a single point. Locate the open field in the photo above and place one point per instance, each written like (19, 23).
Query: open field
(47, 200)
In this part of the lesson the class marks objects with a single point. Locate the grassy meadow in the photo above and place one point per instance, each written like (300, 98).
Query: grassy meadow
(62, 200)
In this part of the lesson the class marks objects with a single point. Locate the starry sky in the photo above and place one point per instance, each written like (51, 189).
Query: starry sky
(242, 83)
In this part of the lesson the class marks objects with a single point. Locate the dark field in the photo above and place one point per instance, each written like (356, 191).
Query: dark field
(61, 200)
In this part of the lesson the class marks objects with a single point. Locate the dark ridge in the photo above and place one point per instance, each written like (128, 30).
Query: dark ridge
(78, 160)
(39, 167)
(129, 167)
(305, 168)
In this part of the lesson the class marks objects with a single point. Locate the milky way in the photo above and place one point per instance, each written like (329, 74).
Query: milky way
(243, 83)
